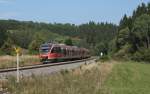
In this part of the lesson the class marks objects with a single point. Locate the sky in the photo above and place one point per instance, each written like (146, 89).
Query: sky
(68, 11)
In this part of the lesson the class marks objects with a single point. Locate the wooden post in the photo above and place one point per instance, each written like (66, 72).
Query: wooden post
(17, 67)
(17, 52)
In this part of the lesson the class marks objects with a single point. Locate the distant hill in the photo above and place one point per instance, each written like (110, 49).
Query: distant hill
(27, 34)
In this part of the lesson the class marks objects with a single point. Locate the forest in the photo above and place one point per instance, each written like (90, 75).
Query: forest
(128, 40)
(132, 40)
(30, 35)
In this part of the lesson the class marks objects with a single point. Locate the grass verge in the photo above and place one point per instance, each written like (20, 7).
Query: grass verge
(87, 79)
(99, 78)
(10, 61)
(129, 78)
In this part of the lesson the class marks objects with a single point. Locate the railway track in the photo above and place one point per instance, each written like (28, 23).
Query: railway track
(44, 65)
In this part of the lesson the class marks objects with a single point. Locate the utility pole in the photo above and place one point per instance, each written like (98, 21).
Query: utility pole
(17, 67)
(17, 52)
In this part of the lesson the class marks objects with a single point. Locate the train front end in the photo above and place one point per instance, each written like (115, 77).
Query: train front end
(44, 51)
(50, 53)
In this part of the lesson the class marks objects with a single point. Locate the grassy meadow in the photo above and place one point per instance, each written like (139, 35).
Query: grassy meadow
(100, 78)
(129, 78)
(10, 61)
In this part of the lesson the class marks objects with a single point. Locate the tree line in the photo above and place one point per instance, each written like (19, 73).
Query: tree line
(30, 35)
(132, 40)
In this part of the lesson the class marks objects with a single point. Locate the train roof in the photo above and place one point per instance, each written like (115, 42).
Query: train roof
(63, 46)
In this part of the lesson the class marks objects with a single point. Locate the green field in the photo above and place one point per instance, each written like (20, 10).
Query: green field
(129, 78)
(101, 78)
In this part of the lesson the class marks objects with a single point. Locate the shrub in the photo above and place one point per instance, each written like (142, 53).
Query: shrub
(142, 55)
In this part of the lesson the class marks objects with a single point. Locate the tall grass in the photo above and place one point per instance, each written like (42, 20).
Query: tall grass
(100, 78)
(84, 80)
(10, 61)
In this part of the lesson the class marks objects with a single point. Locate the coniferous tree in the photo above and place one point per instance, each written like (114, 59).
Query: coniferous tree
(3, 35)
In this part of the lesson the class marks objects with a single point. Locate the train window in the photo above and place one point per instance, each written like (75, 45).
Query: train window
(56, 50)
(73, 52)
(64, 51)
(44, 50)
(68, 52)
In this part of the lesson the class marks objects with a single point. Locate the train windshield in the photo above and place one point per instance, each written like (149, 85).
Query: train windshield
(45, 48)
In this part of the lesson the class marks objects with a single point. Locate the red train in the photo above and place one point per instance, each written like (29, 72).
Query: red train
(50, 52)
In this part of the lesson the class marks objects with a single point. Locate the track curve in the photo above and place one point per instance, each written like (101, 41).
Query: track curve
(45, 68)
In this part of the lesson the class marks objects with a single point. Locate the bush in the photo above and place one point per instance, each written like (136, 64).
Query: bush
(68, 42)
(104, 58)
(1, 52)
(124, 52)
(7, 47)
(33, 52)
(142, 55)
(147, 55)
